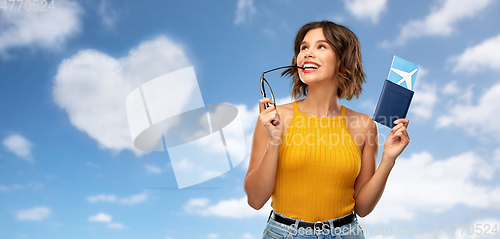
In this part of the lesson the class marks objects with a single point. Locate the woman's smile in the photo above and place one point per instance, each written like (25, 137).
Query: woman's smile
(310, 66)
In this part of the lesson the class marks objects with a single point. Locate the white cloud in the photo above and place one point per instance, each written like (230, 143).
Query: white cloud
(196, 203)
(496, 157)
(49, 30)
(457, 92)
(366, 9)
(476, 118)
(134, 199)
(479, 57)
(19, 145)
(105, 218)
(116, 225)
(108, 15)
(33, 214)
(90, 164)
(422, 184)
(92, 87)
(34, 186)
(248, 236)
(441, 20)
(248, 116)
(102, 198)
(101, 217)
(424, 98)
(244, 11)
(231, 208)
(213, 235)
(152, 169)
(451, 88)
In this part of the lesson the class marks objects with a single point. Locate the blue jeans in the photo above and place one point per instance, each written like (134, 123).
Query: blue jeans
(276, 230)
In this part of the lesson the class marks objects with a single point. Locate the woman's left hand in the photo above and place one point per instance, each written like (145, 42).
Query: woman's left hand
(398, 139)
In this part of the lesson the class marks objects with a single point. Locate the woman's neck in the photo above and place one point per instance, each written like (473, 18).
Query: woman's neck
(322, 100)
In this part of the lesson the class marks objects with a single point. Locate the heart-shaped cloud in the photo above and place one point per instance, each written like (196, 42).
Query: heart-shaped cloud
(92, 87)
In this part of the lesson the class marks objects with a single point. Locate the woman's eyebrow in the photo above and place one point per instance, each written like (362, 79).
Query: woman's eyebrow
(318, 41)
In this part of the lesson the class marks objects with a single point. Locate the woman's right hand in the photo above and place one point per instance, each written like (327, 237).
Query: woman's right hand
(271, 121)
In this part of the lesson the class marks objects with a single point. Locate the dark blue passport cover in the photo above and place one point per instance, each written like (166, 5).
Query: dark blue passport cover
(393, 103)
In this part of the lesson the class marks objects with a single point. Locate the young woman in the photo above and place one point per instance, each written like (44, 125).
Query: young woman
(314, 157)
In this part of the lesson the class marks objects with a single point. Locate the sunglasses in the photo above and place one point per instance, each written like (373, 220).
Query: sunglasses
(262, 80)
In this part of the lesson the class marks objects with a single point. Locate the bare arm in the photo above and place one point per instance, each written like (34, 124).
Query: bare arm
(261, 175)
(370, 184)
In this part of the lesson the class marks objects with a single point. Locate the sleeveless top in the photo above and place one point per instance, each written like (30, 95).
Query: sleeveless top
(318, 164)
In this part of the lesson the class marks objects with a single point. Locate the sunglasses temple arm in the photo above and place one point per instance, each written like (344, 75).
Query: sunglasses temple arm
(262, 79)
(281, 68)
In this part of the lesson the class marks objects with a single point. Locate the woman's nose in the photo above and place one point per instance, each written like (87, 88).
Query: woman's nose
(308, 54)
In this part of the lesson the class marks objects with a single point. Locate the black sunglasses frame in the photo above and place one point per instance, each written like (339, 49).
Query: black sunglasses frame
(262, 80)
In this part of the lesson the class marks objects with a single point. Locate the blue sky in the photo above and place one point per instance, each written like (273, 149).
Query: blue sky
(67, 165)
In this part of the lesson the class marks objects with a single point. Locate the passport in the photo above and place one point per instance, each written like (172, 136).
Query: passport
(397, 92)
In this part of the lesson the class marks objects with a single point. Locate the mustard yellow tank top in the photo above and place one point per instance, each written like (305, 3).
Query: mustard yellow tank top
(318, 164)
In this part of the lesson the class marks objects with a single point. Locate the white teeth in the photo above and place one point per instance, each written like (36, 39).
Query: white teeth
(309, 65)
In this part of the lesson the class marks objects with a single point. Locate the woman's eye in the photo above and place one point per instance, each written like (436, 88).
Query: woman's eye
(322, 47)
(303, 48)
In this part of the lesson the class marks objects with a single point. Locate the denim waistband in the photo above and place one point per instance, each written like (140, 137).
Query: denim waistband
(299, 220)
(327, 225)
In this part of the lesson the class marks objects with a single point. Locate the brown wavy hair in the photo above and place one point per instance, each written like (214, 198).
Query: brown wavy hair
(346, 45)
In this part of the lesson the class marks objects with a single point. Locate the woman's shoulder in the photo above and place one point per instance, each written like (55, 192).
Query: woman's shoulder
(286, 112)
(286, 107)
(357, 119)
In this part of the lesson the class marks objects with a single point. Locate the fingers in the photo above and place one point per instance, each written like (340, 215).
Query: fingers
(399, 131)
(397, 127)
(268, 116)
(407, 137)
(406, 122)
(262, 103)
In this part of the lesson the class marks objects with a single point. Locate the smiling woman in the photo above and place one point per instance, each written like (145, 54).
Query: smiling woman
(314, 157)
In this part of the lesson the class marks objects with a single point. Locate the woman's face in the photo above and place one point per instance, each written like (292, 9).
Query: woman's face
(318, 57)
